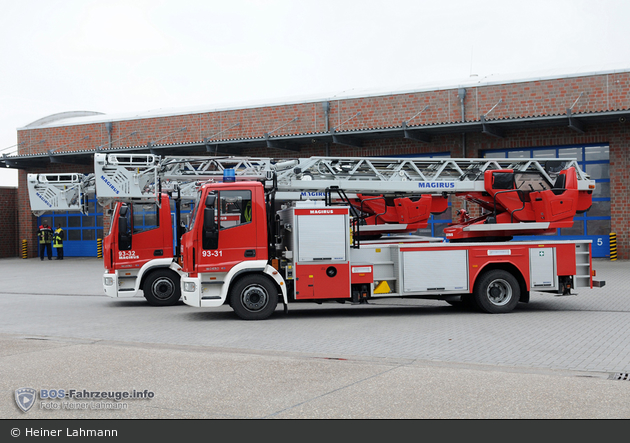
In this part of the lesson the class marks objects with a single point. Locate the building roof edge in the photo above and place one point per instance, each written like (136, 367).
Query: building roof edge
(72, 118)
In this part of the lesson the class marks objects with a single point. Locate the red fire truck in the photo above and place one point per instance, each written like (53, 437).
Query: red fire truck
(331, 229)
(316, 251)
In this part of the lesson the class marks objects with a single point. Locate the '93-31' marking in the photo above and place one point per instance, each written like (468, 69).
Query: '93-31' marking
(215, 253)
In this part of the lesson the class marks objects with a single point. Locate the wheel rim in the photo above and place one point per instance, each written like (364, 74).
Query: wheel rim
(254, 298)
(163, 288)
(499, 292)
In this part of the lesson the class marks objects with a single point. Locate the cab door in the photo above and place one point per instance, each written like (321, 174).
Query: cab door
(234, 234)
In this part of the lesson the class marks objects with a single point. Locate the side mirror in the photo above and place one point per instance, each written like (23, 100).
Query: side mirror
(209, 223)
(210, 239)
(124, 236)
(210, 200)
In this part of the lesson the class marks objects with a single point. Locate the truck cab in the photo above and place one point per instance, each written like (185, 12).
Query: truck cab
(138, 253)
(225, 252)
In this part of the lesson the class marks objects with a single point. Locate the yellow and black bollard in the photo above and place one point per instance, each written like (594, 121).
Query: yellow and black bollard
(99, 248)
(613, 246)
(24, 249)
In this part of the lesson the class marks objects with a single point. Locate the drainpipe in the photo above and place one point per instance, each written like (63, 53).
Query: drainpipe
(326, 106)
(110, 128)
(461, 93)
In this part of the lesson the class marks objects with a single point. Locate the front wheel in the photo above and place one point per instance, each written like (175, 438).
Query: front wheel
(254, 297)
(161, 288)
(497, 291)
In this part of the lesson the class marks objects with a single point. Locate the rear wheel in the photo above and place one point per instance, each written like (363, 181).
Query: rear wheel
(497, 291)
(254, 297)
(161, 288)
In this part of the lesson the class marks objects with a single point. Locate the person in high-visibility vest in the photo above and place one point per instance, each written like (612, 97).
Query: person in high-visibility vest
(58, 242)
(45, 234)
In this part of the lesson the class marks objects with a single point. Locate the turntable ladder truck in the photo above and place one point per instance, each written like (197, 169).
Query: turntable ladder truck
(317, 251)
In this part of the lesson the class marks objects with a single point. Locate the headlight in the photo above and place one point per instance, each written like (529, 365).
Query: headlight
(108, 281)
(189, 286)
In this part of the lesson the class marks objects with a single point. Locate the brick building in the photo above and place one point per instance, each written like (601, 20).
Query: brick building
(8, 222)
(583, 116)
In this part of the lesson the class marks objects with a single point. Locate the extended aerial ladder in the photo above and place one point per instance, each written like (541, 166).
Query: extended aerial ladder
(518, 196)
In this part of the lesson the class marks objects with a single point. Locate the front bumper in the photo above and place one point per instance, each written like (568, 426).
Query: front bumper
(116, 287)
(202, 294)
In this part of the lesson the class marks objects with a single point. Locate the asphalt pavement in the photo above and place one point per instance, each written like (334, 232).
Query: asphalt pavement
(555, 358)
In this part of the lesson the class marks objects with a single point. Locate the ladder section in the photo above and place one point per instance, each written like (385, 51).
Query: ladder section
(214, 168)
(144, 176)
(59, 192)
(417, 176)
(126, 175)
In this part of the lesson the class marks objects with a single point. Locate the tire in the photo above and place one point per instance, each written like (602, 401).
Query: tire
(497, 292)
(254, 297)
(161, 288)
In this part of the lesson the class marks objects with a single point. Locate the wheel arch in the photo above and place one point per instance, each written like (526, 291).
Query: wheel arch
(150, 268)
(268, 272)
(508, 267)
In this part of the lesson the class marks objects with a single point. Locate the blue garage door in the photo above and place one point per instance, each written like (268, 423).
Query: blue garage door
(594, 159)
(82, 231)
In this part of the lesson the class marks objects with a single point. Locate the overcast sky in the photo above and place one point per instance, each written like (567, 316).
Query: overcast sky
(116, 56)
